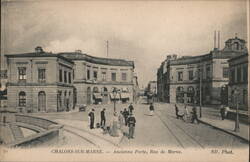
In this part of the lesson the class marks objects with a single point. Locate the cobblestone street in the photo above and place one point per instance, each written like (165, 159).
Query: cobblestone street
(160, 130)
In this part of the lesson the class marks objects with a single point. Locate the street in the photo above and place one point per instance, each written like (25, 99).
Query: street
(160, 130)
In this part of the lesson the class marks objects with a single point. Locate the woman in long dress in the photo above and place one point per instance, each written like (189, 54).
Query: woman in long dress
(114, 128)
(186, 113)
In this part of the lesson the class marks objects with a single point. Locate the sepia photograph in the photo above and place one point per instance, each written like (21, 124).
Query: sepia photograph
(107, 80)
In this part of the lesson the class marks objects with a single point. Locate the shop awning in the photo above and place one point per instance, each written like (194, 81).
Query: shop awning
(124, 95)
(97, 96)
(114, 97)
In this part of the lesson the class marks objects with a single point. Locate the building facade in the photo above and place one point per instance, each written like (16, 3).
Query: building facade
(186, 79)
(3, 88)
(102, 80)
(238, 81)
(40, 82)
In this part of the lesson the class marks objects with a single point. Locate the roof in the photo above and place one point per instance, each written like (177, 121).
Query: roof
(236, 38)
(35, 54)
(97, 60)
(238, 57)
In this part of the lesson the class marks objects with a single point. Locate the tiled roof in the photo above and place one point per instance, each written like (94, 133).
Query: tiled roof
(34, 54)
(97, 60)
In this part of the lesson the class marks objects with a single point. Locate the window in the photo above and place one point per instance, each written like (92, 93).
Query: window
(104, 76)
(60, 75)
(244, 98)
(190, 75)
(88, 74)
(124, 76)
(180, 76)
(232, 75)
(41, 75)
(113, 76)
(95, 75)
(65, 76)
(208, 72)
(245, 74)
(225, 72)
(22, 73)
(238, 74)
(69, 77)
(22, 99)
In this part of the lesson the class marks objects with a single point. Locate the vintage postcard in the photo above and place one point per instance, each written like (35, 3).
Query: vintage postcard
(153, 80)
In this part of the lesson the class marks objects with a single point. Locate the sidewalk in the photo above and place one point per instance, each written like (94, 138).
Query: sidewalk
(211, 116)
(228, 127)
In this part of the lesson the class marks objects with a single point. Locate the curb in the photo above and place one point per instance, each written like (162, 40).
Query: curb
(221, 129)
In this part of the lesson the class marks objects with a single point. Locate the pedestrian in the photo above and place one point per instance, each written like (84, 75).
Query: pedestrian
(176, 111)
(103, 118)
(91, 119)
(151, 109)
(131, 125)
(222, 112)
(125, 114)
(114, 128)
(186, 113)
(131, 108)
(194, 115)
(121, 120)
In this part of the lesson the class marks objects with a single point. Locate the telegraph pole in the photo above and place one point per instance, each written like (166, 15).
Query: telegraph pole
(107, 48)
(200, 89)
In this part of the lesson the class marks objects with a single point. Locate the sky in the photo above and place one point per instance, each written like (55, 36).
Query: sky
(142, 31)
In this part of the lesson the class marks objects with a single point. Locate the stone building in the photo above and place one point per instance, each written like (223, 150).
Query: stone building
(152, 87)
(180, 80)
(3, 88)
(95, 78)
(238, 80)
(40, 82)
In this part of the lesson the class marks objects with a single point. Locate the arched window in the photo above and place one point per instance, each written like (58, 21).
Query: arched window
(95, 90)
(22, 98)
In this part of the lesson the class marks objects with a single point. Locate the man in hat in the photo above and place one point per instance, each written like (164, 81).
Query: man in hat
(103, 118)
(91, 118)
(131, 125)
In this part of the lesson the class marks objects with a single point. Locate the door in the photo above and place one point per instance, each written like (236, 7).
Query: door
(89, 95)
(42, 101)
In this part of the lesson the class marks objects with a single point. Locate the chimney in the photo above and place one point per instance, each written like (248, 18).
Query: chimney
(218, 40)
(215, 39)
(78, 51)
(39, 49)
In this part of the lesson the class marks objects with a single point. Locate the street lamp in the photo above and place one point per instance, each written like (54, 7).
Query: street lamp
(200, 89)
(114, 94)
(236, 96)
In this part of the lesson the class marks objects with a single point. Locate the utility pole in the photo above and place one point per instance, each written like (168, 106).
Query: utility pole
(200, 88)
(107, 48)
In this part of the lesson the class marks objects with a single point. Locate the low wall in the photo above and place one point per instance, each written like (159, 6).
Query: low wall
(32, 120)
(37, 139)
(52, 131)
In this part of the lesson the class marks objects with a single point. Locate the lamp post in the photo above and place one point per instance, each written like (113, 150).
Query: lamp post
(200, 89)
(236, 96)
(114, 94)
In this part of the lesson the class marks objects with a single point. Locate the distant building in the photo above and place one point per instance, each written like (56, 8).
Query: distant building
(179, 80)
(40, 82)
(3, 88)
(238, 80)
(152, 87)
(95, 79)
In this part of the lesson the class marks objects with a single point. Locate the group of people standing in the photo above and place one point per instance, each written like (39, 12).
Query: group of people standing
(186, 115)
(124, 119)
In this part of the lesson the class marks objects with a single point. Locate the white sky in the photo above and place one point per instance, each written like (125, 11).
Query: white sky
(143, 31)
